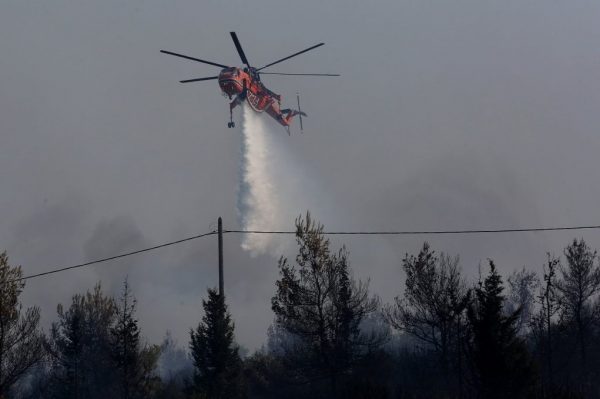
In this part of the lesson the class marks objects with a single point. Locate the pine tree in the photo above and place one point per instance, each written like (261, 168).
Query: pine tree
(578, 286)
(216, 359)
(21, 340)
(97, 351)
(433, 304)
(501, 364)
(321, 308)
(135, 363)
(543, 324)
(126, 342)
(81, 347)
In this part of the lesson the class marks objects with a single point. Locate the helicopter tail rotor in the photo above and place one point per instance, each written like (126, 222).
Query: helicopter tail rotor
(300, 113)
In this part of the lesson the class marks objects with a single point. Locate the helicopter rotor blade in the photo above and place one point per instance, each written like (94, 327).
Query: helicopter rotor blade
(238, 46)
(194, 59)
(198, 79)
(290, 56)
(299, 74)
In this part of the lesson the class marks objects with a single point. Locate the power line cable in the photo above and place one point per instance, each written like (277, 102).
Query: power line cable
(62, 269)
(424, 232)
(382, 233)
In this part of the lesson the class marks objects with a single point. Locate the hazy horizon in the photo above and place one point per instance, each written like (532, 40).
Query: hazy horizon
(447, 116)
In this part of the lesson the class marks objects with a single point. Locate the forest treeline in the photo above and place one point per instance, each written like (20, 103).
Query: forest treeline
(444, 336)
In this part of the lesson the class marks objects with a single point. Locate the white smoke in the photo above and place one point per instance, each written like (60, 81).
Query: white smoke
(274, 187)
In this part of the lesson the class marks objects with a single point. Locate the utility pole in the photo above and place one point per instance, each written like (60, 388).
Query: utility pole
(221, 289)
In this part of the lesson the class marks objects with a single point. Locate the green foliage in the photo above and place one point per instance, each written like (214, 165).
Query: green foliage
(134, 362)
(501, 364)
(434, 300)
(82, 346)
(216, 359)
(432, 311)
(21, 340)
(264, 373)
(97, 352)
(579, 283)
(543, 324)
(321, 307)
(126, 337)
(455, 343)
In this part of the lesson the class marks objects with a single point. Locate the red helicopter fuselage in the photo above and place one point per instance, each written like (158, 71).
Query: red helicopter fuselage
(244, 85)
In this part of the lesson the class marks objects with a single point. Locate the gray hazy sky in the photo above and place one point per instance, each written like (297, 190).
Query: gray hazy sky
(462, 114)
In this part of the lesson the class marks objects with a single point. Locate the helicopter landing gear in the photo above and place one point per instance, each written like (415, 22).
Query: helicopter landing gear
(231, 123)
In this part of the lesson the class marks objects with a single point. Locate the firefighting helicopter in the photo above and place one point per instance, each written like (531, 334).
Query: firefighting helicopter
(245, 84)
